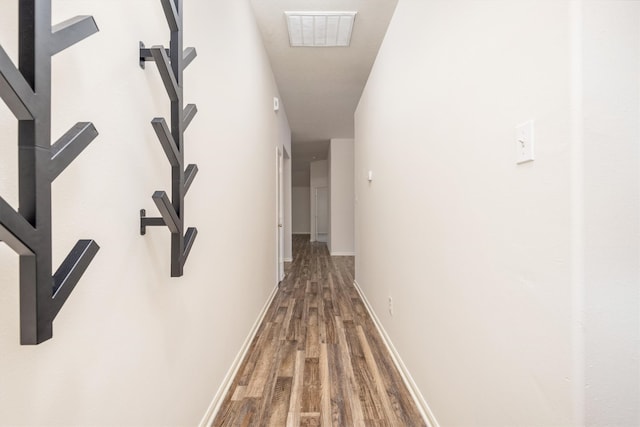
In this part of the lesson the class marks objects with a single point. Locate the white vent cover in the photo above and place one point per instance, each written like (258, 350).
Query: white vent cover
(320, 29)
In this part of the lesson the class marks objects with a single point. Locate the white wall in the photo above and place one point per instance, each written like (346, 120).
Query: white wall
(610, 192)
(492, 265)
(301, 211)
(133, 346)
(319, 177)
(341, 176)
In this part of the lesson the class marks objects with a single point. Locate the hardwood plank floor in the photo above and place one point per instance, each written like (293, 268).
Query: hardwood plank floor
(317, 359)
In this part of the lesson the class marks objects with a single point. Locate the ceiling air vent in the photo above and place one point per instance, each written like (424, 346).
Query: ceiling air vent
(320, 29)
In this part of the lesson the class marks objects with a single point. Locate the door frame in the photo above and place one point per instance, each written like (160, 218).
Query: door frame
(315, 195)
(279, 215)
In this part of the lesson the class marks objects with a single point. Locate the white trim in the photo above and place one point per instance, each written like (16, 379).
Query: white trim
(338, 253)
(425, 411)
(288, 259)
(215, 404)
(301, 232)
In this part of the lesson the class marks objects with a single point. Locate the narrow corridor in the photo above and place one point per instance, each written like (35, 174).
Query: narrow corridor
(318, 358)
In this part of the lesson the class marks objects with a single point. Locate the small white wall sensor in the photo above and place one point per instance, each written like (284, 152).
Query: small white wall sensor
(276, 104)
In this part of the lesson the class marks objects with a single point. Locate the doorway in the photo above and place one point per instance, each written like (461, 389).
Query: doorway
(322, 214)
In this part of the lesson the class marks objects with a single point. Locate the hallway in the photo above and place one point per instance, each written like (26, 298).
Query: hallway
(474, 165)
(318, 358)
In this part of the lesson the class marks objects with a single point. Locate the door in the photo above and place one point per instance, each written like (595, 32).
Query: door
(322, 214)
(279, 216)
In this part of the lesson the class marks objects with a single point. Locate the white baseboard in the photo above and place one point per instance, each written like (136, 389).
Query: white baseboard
(288, 259)
(215, 404)
(425, 411)
(339, 253)
(301, 232)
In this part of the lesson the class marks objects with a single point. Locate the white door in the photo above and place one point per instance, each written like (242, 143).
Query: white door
(280, 216)
(322, 214)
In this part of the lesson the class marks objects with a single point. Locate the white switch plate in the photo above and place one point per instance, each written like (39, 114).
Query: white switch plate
(370, 176)
(524, 142)
(276, 104)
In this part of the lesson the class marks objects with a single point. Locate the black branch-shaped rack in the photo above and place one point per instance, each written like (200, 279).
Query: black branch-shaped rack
(171, 64)
(27, 92)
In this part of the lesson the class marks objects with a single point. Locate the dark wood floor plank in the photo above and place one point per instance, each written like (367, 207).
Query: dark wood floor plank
(286, 322)
(370, 401)
(312, 345)
(325, 388)
(310, 419)
(340, 409)
(263, 368)
(351, 393)
(389, 413)
(280, 402)
(295, 402)
(318, 359)
(266, 403)
(322, 326)
(311, 386)
(403, 406)
(288, 358)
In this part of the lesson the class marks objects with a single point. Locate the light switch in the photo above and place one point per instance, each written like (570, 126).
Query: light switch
(524, 142)
(370, 176)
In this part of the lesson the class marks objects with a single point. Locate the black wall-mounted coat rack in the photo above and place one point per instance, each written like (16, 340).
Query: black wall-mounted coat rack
(171, 64)
(27, 92)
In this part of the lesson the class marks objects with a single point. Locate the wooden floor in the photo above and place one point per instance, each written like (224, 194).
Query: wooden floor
(318, 359)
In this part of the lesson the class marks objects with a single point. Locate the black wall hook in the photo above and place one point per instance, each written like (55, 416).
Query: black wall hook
(27, 92)
(171, 64)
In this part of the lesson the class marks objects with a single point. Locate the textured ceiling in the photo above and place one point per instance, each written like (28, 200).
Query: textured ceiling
(320, 87)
